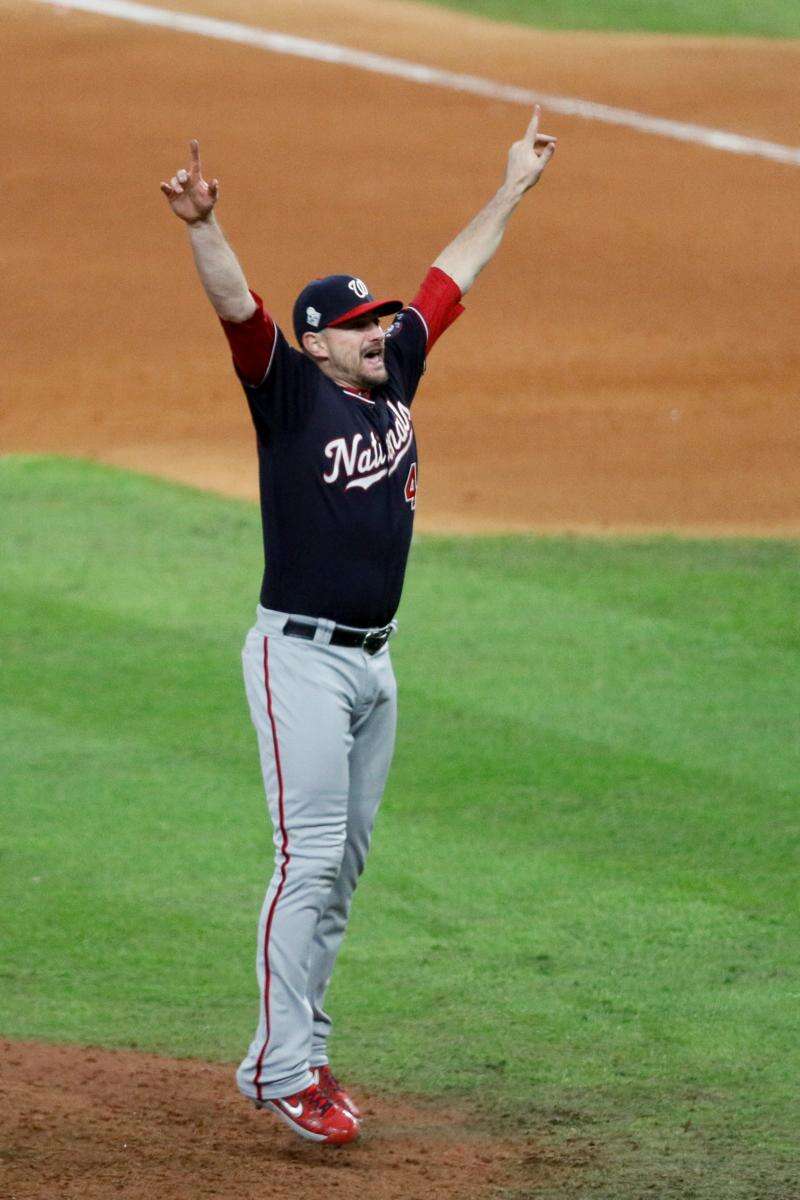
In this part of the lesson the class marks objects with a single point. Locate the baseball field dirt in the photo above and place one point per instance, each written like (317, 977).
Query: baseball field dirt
(94, 1123)
(629, 363)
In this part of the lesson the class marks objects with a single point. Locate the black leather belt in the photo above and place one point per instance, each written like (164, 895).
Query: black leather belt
(369, 640)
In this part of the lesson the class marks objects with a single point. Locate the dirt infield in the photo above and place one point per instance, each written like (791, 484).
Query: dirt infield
(629, 362)
(93, 1123)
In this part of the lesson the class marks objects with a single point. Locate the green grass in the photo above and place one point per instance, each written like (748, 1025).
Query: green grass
(742, 18)
(582, 897)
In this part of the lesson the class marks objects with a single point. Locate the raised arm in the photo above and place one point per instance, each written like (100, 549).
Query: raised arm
(475, 246)
(193, 200)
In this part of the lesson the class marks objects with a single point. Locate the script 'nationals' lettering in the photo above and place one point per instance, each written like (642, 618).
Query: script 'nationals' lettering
(362, 462)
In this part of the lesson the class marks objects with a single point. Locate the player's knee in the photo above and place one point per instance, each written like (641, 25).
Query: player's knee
(330, 859)
(318, 862)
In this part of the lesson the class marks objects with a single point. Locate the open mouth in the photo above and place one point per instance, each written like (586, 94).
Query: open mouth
(376, 354)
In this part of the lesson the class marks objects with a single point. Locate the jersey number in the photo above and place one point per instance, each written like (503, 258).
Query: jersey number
(410, 491)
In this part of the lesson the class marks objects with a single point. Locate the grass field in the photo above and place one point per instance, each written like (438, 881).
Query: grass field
(582, 898)
(771, 18)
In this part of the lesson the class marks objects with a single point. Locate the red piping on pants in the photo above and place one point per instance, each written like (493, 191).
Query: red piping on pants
(284, 865)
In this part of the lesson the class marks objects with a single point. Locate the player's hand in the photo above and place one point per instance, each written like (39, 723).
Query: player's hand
(528, 157)
(189, 196)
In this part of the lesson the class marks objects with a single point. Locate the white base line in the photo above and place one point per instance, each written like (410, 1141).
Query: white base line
(282, 43)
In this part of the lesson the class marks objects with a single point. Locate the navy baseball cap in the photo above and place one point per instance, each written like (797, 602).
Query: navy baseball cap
(334, 300)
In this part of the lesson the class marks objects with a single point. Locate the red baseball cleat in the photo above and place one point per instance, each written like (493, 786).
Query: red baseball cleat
(314, 1115)
(330, 1085)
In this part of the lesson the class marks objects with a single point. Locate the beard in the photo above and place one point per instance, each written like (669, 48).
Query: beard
(374, 373)
(364, 372)
(357, 363)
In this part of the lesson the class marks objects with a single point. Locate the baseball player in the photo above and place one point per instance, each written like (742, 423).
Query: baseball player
(338, 478)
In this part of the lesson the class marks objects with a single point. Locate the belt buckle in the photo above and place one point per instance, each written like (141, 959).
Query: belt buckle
(375, 640)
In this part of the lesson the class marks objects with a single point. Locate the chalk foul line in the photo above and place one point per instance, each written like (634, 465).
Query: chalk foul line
(329, 52)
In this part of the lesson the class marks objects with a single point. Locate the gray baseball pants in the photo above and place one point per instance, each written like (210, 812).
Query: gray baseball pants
(325, 718)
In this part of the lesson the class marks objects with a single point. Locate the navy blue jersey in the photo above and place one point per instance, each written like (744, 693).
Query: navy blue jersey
(338, 480)
(338, 468)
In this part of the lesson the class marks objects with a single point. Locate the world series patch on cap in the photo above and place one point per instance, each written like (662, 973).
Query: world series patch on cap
(334, 300)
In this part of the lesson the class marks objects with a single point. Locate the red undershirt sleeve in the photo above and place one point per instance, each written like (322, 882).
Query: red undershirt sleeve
(437, 302)
(251, 342)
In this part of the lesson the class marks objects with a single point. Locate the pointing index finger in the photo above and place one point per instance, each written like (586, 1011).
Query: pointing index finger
(194, 150)
(533, 128)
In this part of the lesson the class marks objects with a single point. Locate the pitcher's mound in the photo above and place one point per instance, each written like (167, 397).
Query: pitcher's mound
(92, 1123)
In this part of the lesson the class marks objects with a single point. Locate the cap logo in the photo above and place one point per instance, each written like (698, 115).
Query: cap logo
(313, 317)
(359, 287)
